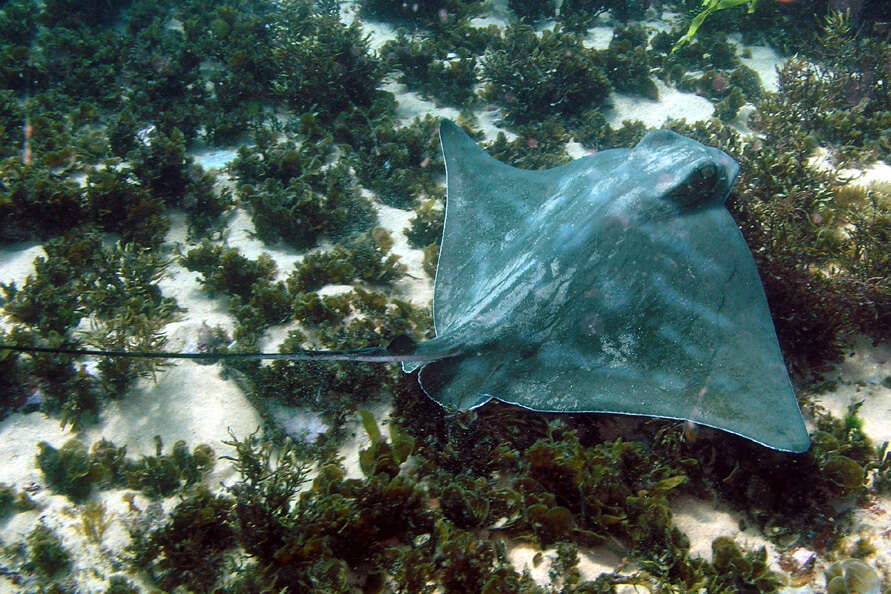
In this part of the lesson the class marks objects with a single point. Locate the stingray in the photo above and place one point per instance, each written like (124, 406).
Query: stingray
(617, 283)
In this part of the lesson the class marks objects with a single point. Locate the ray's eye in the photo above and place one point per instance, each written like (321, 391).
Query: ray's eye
(697, 187)
(707, 171)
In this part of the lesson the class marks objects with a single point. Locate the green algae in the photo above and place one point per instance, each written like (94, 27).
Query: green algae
(48, 555)
(75, 471)
(118, 285)
(13, 501)
(566, 79)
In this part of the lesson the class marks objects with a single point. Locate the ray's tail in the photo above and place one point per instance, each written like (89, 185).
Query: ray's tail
(402, 348)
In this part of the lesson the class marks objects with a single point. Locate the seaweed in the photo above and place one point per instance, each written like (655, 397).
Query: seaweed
(35, 201)
(304, 210)
(118, 584)
(48, 556)
(537, 146)
(739, 571)
(162, 475)
(332, 531)
(13, 501)
(93, 521)
(850, 576)
(117, 287)
(164, 79)
(162, 166)
(532, 78)
(292, 196)
(427, 527)
(434, 68)
(73, 13)
(225, 270)
(627, 10)
(850, 102)
(118, 205)
(269, 304)
(727, 108)
(302, 156)
(532, 11)
(239, 40)
(426, 225)
(129, 314)
(791, 499)
(366, 257)
(79, 64)
(422, 14)
(627, 62)
(371, 258)
(188, 549)
(711, 6)
(880, 468)
(566, 488)
(67, 469)
(577, 16)
(789, 27)
(399, 164)
(74, 471)
(321, 63)
(18, 21)
(335, 388)
(331, 267)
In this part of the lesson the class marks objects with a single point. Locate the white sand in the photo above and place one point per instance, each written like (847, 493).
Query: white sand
(17, 262)
(415, 286)
(859, 378)
(213, 159)
(765, 61)
(671, 104)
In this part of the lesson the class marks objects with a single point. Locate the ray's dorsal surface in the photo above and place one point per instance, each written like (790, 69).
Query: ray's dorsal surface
(616, 283)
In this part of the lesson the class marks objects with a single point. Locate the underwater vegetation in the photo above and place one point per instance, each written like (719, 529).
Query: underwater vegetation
(790, 498)
(322, 63)
(409, 524)
(14, 501)
(335, 322)
(258, 301)
(533, 77)
(75, 471)
(48, 555)
(577, 16)
(433, 68)
(709, 7)
(852, 575)
(432, 15)
(292, 199)
(401, 164)
(538, 145)
(116, 287)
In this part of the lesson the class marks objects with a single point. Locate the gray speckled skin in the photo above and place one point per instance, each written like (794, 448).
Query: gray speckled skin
(616, 283)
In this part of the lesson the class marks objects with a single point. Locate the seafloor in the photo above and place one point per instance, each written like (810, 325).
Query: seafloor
(845, 395)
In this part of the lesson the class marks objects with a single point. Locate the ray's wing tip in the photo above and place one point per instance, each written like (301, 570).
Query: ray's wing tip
(796, 444)
(451, 134)
(793, 441)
